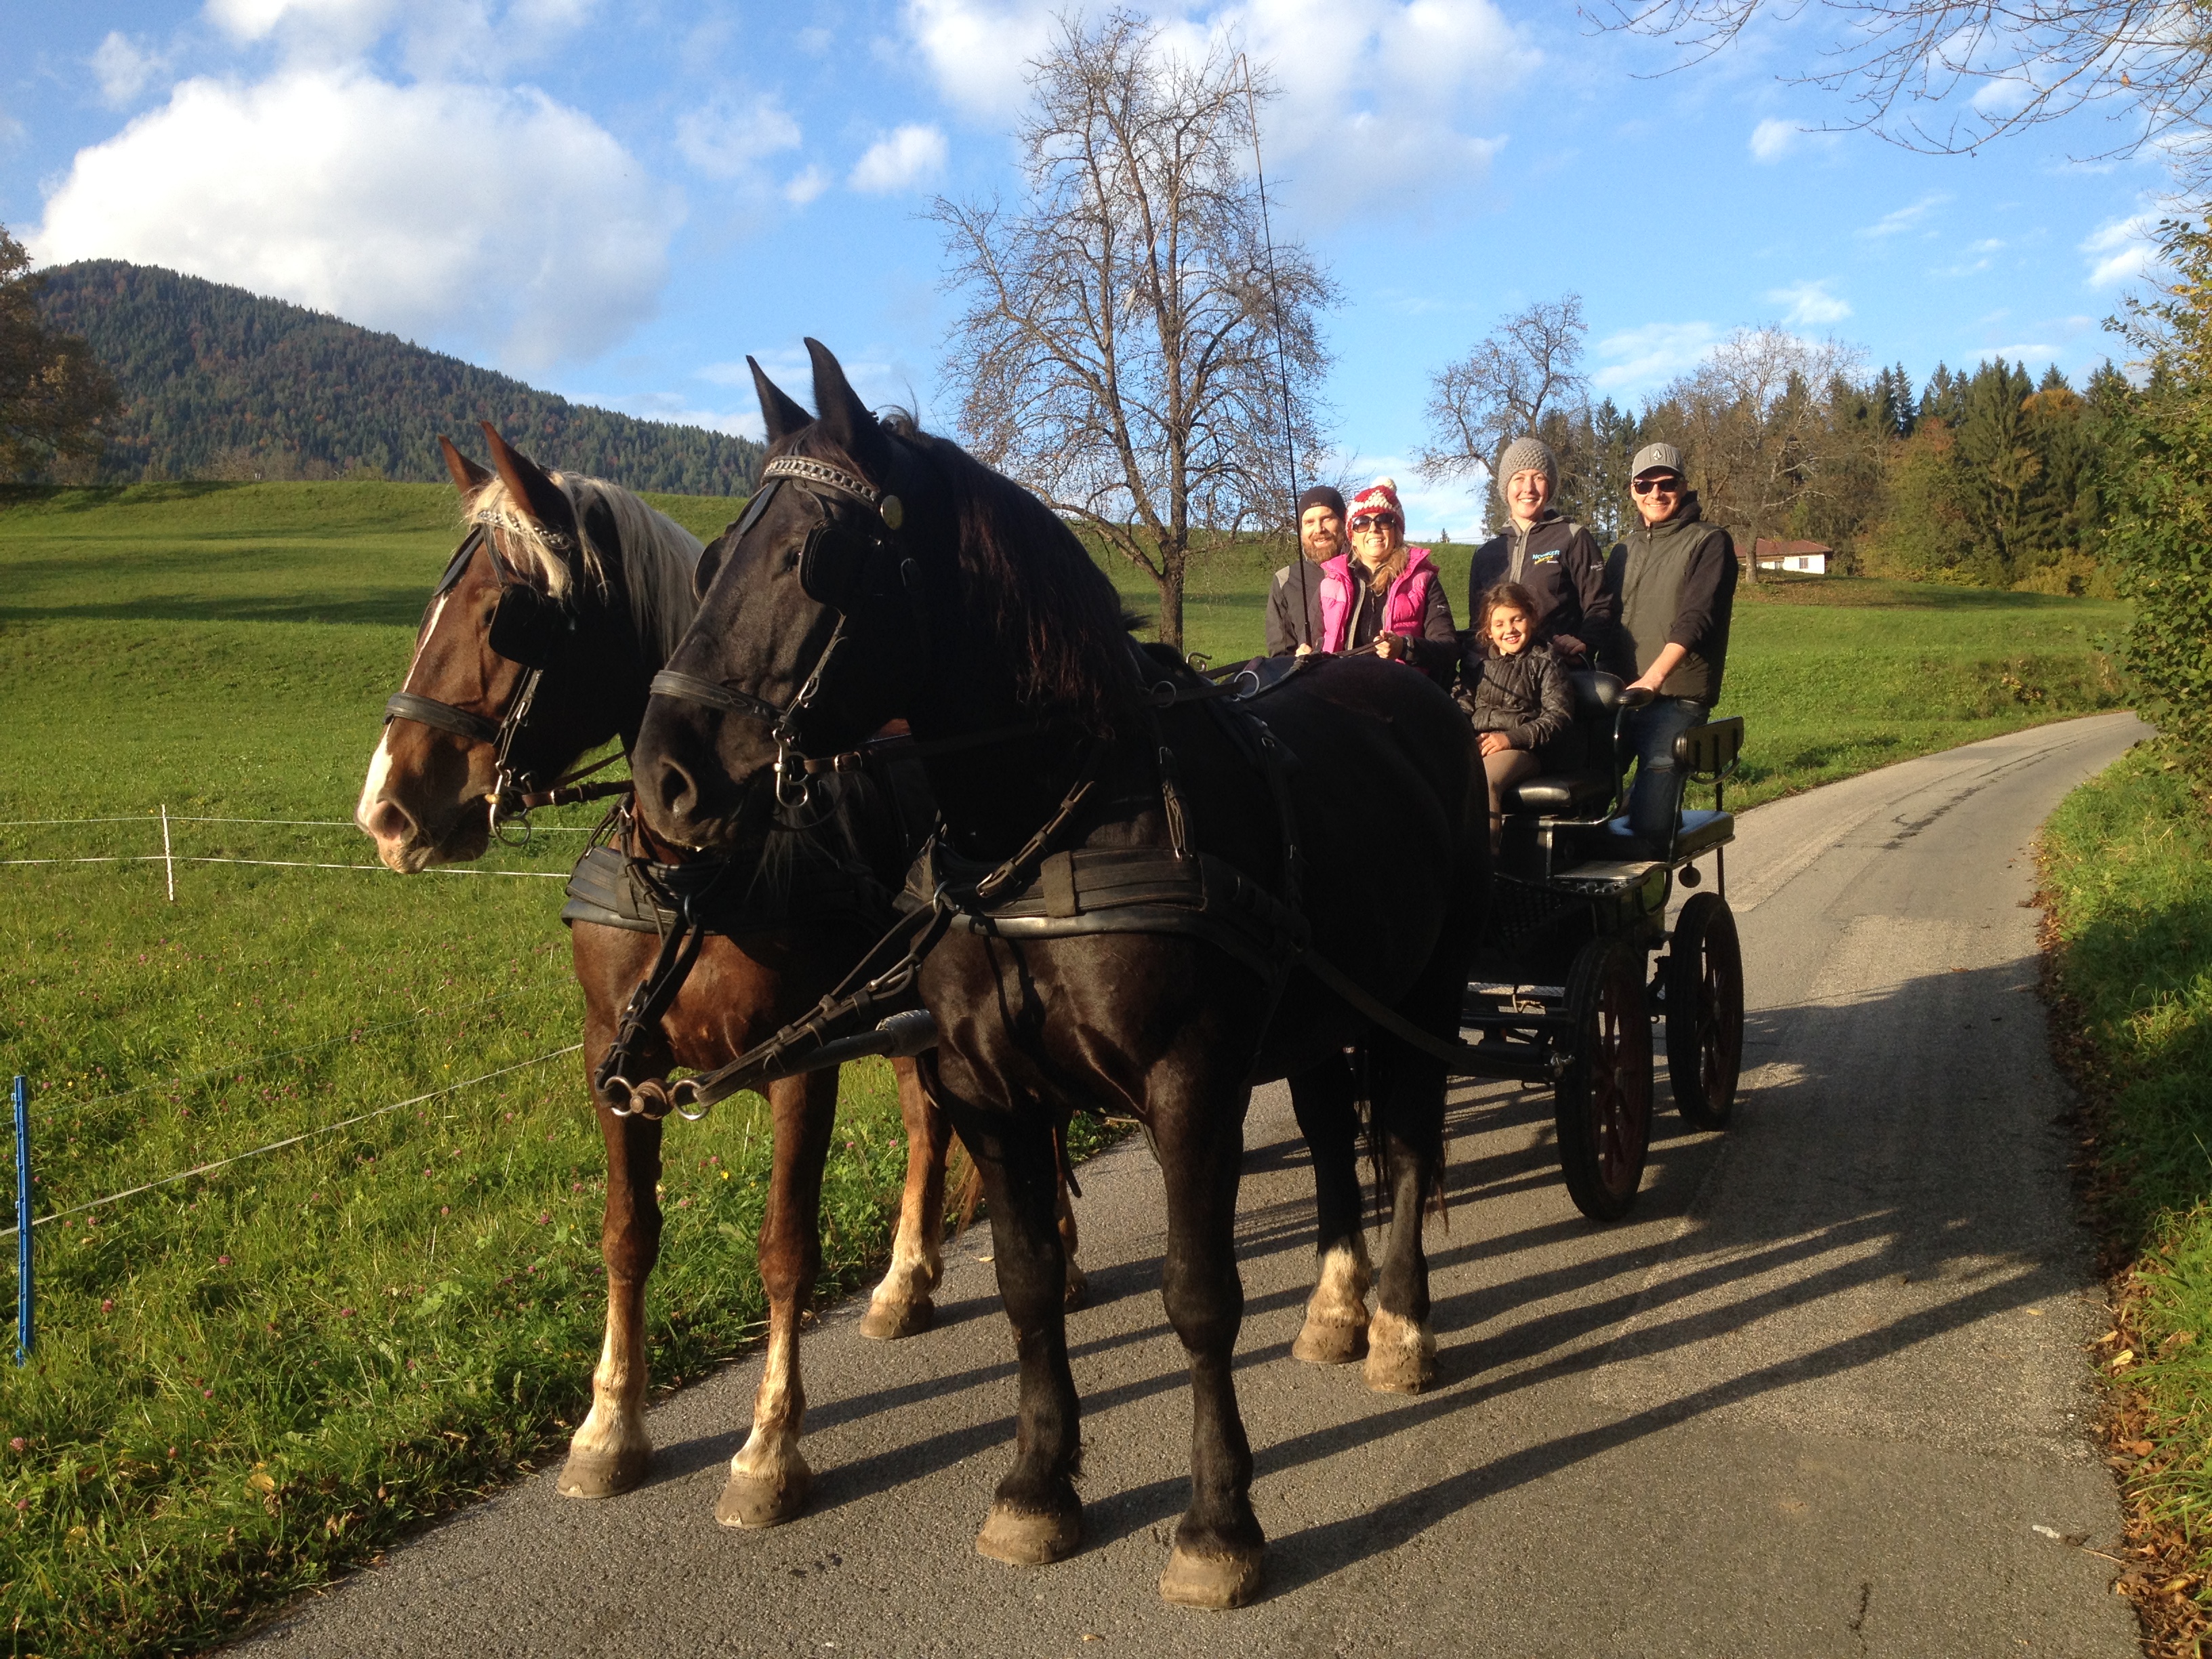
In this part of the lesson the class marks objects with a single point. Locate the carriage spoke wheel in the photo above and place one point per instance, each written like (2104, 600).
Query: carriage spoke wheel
(1704, 1011)
(1604, 1100)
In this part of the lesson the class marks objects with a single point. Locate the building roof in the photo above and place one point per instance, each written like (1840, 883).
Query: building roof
(1773, 550)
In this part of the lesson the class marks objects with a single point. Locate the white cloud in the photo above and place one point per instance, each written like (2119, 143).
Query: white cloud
(1376, 93)
(1810, 304)
(1772, 140)
(803, 187)
(123, 68)
(900, 160)
(1639, 358)
(440, 39)
(674, 407)
(1910, 217)
(2121, 250)
(729, 139)
(2029, 355)
(980, 49)
(469, 214)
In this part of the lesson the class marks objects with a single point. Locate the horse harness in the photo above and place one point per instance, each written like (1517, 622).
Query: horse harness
(1038, 892)
(528, 628)
(615, 885)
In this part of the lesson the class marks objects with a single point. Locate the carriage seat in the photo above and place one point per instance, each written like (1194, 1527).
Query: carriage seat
(1586, 788)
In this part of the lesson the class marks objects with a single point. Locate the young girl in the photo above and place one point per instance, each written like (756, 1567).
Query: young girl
(1517, 696)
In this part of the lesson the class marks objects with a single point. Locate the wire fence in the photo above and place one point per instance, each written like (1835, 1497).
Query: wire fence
(251, 1062)
(162, 819)
(288, 1141)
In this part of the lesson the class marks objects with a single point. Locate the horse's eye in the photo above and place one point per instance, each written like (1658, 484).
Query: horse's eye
(791, 560)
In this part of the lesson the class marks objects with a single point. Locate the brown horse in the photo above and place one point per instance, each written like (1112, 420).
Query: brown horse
(604, 591)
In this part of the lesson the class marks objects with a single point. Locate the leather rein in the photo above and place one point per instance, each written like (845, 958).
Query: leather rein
(510, 795)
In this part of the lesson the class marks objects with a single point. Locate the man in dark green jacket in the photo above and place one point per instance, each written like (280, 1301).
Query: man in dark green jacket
(1673, 579)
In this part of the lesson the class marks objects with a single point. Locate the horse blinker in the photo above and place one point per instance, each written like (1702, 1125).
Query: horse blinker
(528, 627)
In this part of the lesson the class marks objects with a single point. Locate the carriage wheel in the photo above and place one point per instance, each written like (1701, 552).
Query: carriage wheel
(1604, 1101)
(1704, 1011)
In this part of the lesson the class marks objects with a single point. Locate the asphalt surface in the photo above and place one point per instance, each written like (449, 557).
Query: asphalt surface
(1823, 1393)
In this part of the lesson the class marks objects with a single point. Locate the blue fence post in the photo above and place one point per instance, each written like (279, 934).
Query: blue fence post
(23, 1332)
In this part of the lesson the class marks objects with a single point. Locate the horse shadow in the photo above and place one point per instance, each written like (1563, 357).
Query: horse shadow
(1841, 1233)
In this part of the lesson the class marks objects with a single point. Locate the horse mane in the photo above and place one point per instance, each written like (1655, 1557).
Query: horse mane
(1041, 596)
(658, 556)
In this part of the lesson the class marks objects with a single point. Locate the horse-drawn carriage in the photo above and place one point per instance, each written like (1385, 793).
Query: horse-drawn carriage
(884, 575)
(1558, 986)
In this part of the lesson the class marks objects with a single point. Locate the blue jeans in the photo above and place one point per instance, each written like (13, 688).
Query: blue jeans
(1655, 798)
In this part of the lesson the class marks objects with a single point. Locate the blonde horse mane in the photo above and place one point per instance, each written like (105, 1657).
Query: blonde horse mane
(658, 555)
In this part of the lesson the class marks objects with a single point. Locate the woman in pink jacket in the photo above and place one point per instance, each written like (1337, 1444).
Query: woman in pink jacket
(1384, 597)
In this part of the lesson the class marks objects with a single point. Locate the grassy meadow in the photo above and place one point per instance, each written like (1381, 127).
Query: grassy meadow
(249, 1380)
(2128, 863)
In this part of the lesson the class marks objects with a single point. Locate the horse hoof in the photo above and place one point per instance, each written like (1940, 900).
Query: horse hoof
(1401, 1357)
(1320, 1344)
(1211, 1581)
(756, 1500)
(603, 1474)
(1023, 1540)
(888, 1321)
(1076, 1295)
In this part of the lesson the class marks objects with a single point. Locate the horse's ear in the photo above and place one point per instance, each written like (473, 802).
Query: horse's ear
(528, 486)
(844, 416)
(468, 476)
(782, 415)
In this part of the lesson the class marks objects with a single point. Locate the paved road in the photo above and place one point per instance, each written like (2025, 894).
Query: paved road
(1822, 1394)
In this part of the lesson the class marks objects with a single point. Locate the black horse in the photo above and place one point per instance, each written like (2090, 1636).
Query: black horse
(1127, 869)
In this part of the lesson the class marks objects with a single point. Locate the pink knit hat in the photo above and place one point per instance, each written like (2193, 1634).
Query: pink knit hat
(1379, 499)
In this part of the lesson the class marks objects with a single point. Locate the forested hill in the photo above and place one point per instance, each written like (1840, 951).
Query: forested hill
(219, 383)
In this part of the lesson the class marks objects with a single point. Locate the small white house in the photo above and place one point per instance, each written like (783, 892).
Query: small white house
(1810, 557)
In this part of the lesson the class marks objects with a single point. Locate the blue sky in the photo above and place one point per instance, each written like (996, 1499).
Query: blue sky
(620, 199)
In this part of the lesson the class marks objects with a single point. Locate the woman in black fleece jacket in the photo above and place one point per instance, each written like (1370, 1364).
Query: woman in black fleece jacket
(1517, 695)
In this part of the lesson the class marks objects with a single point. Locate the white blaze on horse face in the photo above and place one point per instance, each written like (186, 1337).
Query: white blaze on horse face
(380, 763)
(372, 792)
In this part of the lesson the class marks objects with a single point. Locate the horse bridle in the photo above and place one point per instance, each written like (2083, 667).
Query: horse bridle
(525, 627)
(793, 768)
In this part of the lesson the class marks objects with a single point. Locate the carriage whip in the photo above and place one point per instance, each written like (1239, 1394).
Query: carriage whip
(1282, 357)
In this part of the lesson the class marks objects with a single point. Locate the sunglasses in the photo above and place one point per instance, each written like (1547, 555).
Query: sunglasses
(1372, 521)
(1669, 485)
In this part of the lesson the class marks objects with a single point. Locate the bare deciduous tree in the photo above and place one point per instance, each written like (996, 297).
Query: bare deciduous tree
(2022, 62)
(1118, 350)
(1755, 423)
(1528, 366)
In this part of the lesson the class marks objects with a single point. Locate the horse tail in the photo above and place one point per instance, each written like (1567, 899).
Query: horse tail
(964, 1181)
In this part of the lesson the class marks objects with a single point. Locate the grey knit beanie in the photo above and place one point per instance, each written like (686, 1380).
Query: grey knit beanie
(1528, 455)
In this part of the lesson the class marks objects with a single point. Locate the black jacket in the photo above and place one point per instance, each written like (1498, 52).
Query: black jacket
(1565, 574)
(1284, 632)
(1528, 698)
(1675, 584)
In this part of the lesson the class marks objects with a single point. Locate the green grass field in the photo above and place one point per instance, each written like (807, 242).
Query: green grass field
(247, 1380)
(2128, 861)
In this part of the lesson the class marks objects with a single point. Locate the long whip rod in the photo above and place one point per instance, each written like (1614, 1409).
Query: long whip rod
(1282, 354)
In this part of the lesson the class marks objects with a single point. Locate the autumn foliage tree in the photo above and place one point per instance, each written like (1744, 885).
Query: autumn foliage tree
(53, 396)
(2160, 541)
